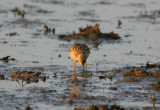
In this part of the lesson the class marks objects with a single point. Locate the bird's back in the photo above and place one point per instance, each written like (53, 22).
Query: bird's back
(78, 49)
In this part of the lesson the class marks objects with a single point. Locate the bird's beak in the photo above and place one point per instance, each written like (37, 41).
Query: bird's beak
(82, 64)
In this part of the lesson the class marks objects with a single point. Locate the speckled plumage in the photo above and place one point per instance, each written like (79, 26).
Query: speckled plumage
(79, 53)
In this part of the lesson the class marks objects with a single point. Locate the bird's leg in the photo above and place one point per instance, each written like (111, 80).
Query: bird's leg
(85, 66)
(82, 66)
(74, 66)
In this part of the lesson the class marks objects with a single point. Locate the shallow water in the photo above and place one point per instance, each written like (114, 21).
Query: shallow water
(138, 45)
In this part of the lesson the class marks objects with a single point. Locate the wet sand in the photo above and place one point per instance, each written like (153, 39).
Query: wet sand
(37, 73)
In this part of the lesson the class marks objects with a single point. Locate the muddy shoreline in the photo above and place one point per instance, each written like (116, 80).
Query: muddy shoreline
(121, 83)
(36, 72)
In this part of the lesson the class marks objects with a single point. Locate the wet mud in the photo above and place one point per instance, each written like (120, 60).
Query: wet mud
(79, 89)
(123, 68)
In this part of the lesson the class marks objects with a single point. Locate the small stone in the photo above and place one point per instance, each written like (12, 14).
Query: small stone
(60, 55)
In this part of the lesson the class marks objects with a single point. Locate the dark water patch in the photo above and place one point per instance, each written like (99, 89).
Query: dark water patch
(92, 20)
(43, 11)
(138, 5)
(3, 11)
(147, 16)
(104, 2)
(56, 2)
(30, 6)
(27, 22)
(87, 13)
(58, 20)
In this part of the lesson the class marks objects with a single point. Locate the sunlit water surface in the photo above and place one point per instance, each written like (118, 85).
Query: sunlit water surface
(138, 45)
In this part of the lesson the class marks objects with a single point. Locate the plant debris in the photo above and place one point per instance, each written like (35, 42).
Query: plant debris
(152, 65)
(47, 30)
(25, 74)
(6, 59)
(42, 11)
(11, 34)
(156, 73)
(157, 86)
(18, 12)
(102, 107)
(28, 108)
(90, 33)
(136, 72)
(119, 24)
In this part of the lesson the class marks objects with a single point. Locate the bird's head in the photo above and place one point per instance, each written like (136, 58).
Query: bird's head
(82, 59)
